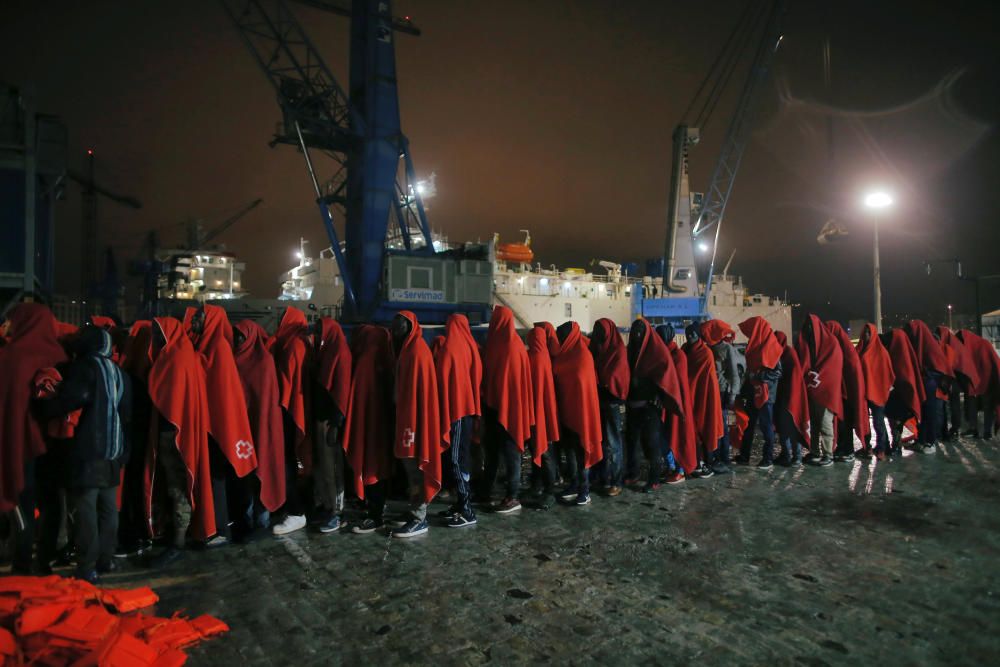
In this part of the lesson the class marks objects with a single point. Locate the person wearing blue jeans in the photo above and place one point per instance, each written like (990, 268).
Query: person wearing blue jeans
(613, 428)
(763, 417)
(789, 439)
(881, 434)
(932, 414)
(461, 513)
(499, 443)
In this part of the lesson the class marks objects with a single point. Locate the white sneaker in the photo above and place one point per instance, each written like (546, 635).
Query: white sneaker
(291, 523)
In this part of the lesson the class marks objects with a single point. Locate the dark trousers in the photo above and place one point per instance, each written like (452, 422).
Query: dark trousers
(932, 413)
(644, 432)
(293, 496)
(722, 453)
(954, 413)
(609, 471)
(764, 418)
(845, 437)
(788, 436)
(375, 499)
(543, 477)
(96, 527)
(576, 459)
(499, 443)
(973, 404)
(881, 434)
(42, 492)
(220, 468)
(460, 459)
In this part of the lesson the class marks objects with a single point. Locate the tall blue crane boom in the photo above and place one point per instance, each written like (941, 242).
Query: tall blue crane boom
(374, 178)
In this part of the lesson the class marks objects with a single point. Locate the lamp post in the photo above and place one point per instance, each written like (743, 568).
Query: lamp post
(949, 317)
(877, 201)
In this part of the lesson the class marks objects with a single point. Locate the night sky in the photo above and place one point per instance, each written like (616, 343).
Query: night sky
(556, 117)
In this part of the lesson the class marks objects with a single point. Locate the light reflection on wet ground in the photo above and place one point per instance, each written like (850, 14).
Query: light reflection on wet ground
(863, 562)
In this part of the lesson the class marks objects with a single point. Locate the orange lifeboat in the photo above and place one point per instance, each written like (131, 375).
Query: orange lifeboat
(515, 252)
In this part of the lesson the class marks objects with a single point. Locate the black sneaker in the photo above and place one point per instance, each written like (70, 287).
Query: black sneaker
(366, 526)
(702, 472)
(459, 520)
(567, 494)
(929, 448)
(825, 461)
(582, 499)
(107, 568)
(843, 458)
(764, 465)
(412, 528)
(450, 512)
(783, 460)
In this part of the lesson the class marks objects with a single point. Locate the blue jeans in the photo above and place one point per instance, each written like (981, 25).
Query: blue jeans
(609, 470)
(461, 436)
(763, 417)
(932, 412)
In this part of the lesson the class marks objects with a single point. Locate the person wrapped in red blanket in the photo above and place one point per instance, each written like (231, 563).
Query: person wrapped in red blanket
(579, 411)
(682, 456)
(855, 413)
(986, 391)
(876, 365)
(906, 399)
(331, 393)
(763, 355)
(613, 375)
(546, 429)
(791, 406)
(419, 435)
(937, 374)
(823, 369)
(705, 398)
(966, 376)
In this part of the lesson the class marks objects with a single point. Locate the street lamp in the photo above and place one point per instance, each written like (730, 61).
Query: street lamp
(877, 201)
(949, 316)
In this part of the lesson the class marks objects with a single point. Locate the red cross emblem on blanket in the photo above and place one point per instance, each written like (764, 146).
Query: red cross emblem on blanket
(244, 449)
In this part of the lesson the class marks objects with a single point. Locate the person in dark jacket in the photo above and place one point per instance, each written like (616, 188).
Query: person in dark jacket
(96, 386)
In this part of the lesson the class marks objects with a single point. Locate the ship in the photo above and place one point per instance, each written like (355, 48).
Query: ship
(538, 294)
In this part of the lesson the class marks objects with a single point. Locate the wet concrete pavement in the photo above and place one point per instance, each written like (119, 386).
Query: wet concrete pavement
(894, 563)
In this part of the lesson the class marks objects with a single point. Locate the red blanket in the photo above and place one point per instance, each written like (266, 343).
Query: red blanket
(368, 429)
(822, 365)
(762, 351)
(459, 373)
(963, 362)
(136, 359)
(906, 368)
(876, 364)
(987, 368)
(716, 331)
(705, 396)
(228, 422)
(419, 434)
(543, 390)
(260, 389)
(653, 362)
(291, 357)
(683, 441)
(792, 389)
(507, 377)
(610, 359)
(177, 390)
(333, 363)
(576, 393)
(929, 352)
(855, 402)
(32, 345)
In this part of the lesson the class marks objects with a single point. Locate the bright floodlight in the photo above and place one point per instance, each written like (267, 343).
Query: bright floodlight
(703, 246)
(299, 254)
(878, 200)
(420, 188)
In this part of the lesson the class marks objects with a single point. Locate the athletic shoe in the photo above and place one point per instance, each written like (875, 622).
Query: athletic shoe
(412, 528)
(702, 472)
(290, 524)
(450, 512)
(675, 478)
(929, 448)
(331, 526)
(217, 542)
(567, 494)
(107, 567)
(614, 491)
(459, 520)
(765, 465)
(507, 506)
(366, 526)
(583, 499)
(321, 516)
(631, 481)
(133, 549)
(844, 458)
(90, 576)
(825, 461)
(795, 463)
(783, 460)
(721, 468)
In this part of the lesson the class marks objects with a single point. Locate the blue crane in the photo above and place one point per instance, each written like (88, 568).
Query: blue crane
(373, 189)
(690, 215)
